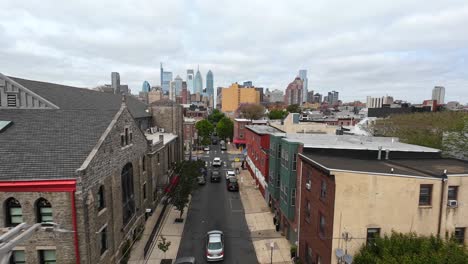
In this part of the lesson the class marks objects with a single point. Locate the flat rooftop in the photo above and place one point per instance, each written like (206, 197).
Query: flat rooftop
(167, 137)
(411, 167)
(264, 129)
(328, 141)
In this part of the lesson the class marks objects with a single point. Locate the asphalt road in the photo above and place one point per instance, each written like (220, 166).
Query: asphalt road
(214, 208)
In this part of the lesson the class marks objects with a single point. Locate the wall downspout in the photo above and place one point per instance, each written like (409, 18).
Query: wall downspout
(299, 211)
(442, 191)
(75, 227)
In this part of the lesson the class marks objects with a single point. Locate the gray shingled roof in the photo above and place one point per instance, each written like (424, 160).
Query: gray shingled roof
(49, 144)
(68, 97)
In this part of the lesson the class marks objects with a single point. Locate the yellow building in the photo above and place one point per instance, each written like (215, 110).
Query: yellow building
(234, 95)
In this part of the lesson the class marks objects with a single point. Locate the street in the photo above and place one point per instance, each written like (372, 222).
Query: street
(214, 208)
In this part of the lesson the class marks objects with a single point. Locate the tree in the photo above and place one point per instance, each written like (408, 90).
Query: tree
(252, 111)
(225, 128)
(164, 245)
(216, 116)
(411, 248)
(277, 114)
(204, 128)
(294, 108)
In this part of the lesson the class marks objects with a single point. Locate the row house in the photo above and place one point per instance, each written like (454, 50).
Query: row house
(240, 130)
(258, 146)
(81, 159)
(352, 189)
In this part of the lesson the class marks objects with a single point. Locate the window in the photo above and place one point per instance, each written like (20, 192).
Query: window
(131, 137)
(128, 200)
(47, 257)
(307, 211)
(144, 191)
(294, 165)
(319, 259)
(273, 150)
(14, 213)
(126, 137)
(143, 164)
(278, 180)
(293, 197)
(460, 235)
(101, 200)
(372, 234)
(122, 140)
(18, 257)
(44, 211)
(11, 100)
(103, 235)
(279, 150)
(425, 194)
(158, 158)
(323, 190)
(453, 192)
(241, 135)
(322, 225)
(308, 251)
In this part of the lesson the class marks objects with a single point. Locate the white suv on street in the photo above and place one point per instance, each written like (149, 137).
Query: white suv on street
(217, 162)
(230, 174)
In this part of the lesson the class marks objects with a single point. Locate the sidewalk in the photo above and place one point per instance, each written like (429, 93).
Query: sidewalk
(260, 222)
(172, 231)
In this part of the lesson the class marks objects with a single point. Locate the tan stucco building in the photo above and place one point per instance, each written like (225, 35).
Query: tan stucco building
(291, 124)
(235, 95)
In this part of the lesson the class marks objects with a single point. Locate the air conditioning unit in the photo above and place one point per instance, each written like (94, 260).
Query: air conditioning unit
(452, 203)
(308, 185)
(161, 130)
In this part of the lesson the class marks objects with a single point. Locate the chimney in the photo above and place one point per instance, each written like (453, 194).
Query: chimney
(379, 156)
(387, 154)
(161, 138)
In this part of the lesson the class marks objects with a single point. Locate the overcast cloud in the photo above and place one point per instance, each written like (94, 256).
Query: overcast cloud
(401, 48)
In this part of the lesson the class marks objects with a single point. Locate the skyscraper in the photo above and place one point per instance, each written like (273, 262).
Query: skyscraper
(293, 93)
(438, 93)
(190, 81)
(303, 76)
(332, 97)
(115, 76)
(178, 85)
(198, 84)
(209, 83)
(146, 87)
(166, 79)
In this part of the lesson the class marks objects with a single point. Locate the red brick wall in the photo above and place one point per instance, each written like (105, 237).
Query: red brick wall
(309, 233)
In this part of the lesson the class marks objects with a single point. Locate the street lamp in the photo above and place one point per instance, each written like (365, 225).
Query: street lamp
(272, 246)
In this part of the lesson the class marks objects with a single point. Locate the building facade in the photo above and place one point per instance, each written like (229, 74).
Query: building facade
(234, 95)
(438, 93)
(209, 83)
(305, 85)
(190, 80)
(198, 83)
(294, 92)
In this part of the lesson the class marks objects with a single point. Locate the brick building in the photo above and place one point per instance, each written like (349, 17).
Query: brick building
(78, 158)
(258, 144)
(240, 130)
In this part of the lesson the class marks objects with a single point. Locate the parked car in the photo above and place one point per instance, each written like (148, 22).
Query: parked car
(215, 176)
(214, 245)
(214, 141)
(232, 184)
(217, 162)
(201, 180)
(185, 260)
(230, 173)
(206, 148)
(223, 146)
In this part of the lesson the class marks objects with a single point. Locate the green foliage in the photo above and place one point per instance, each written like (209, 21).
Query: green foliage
(204, 128)
(215, 116)
(411, 249)
(225, 128)
(277, 114)
(425, 129)
(252, 111)
(164, 245)
(188, 173)
(294, 108)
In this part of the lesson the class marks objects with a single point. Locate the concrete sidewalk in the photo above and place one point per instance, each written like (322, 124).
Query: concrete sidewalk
(260, 222)
(172, 231)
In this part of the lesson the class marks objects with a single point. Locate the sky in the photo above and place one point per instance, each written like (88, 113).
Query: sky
(401, 48)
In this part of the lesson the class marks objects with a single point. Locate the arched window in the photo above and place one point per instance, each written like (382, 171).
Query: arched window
(128, 197)
(14, 213)
(43, 211)
(101, 201)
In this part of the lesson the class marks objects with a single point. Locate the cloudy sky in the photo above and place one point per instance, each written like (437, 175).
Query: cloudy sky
(401, 48)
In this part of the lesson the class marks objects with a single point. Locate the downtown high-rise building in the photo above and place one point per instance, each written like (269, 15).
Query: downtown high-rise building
(166, 79)
(178, 85)
(190, 80)
(332, 97)
(198, 83)
(438, 93)
(209, 83)
(303, 76)
(146, 87)
(293, 93)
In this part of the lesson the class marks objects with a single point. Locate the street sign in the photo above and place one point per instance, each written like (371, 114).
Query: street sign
(236, 159)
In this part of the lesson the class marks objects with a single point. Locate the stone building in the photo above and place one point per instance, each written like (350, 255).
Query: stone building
(81, 159)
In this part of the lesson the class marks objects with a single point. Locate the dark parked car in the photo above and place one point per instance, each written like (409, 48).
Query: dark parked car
(185, 260)
(215, 176)
(232, 184)
(201, 180)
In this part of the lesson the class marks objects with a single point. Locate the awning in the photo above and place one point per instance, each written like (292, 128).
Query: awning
(239, 141)
(172, 184)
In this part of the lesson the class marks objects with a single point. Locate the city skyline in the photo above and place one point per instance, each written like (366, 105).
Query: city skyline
(377, 48)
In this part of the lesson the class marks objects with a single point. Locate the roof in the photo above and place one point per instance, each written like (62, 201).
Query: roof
(167, 137)
(49, 144)
(74, 98)
(411, 167)
(264, 129)
(355, 142)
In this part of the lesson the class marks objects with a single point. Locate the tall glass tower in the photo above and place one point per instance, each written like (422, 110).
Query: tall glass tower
(209, 83)
(303, 76)
(198, 85)
(146, 87)
(190, 81)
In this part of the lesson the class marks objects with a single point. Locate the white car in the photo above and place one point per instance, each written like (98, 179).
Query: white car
(217, 162)
(206, 148)
(230, 173)
(214, 246)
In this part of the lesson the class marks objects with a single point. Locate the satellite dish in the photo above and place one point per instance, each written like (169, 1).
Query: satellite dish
(348, 259)
(339, 253)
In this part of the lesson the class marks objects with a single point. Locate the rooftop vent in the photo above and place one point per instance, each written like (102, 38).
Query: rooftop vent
(4, 125)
